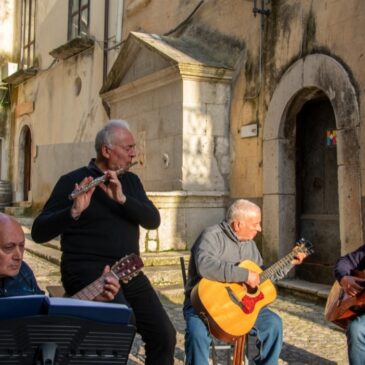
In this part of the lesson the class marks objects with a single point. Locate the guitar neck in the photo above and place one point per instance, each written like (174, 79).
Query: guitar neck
(125, 269)
(91, 291)
(282, 264)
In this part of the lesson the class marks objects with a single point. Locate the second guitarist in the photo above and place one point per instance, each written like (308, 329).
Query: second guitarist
(352, 286)
(215, 255)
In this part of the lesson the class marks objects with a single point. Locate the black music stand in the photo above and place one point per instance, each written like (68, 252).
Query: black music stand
(37, 330)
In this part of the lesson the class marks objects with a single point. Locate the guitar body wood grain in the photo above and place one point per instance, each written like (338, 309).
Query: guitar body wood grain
(232, 308)
(340, 307)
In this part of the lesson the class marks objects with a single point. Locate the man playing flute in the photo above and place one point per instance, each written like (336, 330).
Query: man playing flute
(101, 225)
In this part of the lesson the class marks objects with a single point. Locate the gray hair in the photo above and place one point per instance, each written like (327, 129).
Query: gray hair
(105, 135)
(241, 209)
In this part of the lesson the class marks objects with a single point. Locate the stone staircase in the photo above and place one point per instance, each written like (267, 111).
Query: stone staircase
(162, 268)
(18, 209)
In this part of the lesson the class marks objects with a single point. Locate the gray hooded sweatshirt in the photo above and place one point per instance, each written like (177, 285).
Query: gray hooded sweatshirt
(216, 254)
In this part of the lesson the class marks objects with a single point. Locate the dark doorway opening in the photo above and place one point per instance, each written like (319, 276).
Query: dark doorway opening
(317, 189)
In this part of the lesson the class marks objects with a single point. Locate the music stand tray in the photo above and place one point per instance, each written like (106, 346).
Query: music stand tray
(59, 335)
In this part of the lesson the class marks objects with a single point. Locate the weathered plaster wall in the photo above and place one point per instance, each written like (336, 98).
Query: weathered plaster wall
(291, 32)
(65, 117)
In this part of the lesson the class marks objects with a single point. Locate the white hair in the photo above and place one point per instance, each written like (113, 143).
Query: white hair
(241, 209)
(105, 135)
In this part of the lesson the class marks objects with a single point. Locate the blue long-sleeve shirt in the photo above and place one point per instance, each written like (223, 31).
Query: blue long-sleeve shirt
(352, 261)
(22, 284)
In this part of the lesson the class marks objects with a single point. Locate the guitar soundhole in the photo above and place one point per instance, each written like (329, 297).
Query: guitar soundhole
(251, 290)
(357, 309)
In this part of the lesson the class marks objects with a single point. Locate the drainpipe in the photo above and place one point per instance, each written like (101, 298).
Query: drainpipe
(106, 36)
(118, 33)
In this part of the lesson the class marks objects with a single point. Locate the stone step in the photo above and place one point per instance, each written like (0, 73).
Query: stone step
(172, 293)
(54, 244)
(165, 258)
(26, 223)
(164, 275)
(304, 289)
(15, 211)
(149, 258)
(48, 253)
(162, 268)
(25, 204)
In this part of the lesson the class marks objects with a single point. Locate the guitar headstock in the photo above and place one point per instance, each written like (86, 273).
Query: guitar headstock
(304, 246)
(127, 267)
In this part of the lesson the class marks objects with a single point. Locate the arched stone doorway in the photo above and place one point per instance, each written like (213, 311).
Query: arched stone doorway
(317, 77)
(24, 166)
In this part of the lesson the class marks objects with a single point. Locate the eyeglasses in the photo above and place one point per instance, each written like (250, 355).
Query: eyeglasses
(127, 148)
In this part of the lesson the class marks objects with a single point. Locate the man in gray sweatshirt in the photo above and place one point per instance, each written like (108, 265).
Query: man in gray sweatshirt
(215, 255)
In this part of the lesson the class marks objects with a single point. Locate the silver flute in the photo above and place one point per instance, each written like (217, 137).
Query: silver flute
(96, 182)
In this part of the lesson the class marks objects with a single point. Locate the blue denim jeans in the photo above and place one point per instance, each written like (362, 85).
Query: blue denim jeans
(356, 341)
(268, 329)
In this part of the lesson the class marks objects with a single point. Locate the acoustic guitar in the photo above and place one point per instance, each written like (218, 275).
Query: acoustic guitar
(341, 307)
(125, 269)
(230, 309)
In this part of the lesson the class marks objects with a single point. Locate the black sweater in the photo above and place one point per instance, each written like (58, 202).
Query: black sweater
(106, 230)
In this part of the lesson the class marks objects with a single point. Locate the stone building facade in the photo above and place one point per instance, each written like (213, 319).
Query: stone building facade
(226, 100)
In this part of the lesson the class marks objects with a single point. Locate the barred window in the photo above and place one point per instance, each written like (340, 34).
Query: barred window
(78, 19)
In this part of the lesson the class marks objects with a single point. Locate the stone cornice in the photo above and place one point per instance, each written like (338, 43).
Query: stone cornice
(142, 85)
(205, 73)
(165, 77)
(189, 199)
(184, 193)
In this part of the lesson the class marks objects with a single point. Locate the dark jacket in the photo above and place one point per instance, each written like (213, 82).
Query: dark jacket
(353, 261)
(22, 284)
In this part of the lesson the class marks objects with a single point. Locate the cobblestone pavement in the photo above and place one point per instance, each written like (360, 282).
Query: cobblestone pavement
(308, 338)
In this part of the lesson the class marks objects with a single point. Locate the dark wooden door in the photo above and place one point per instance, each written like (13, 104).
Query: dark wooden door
(317, 189)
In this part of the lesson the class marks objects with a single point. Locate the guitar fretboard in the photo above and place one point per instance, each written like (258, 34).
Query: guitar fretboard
(94, 289)
(282, 264)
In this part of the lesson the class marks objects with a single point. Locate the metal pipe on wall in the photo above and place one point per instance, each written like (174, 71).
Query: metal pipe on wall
(106, 36)
(118, 33)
